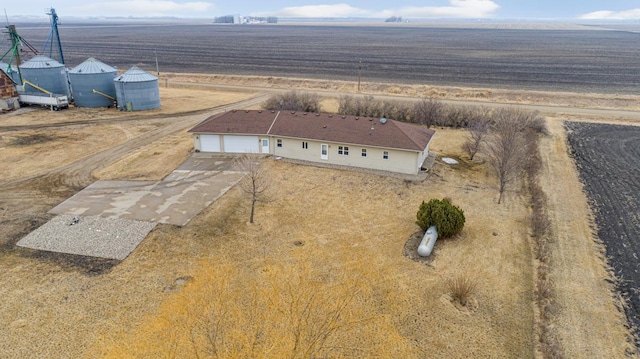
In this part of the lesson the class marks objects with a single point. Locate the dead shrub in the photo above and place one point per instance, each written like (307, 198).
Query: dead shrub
(461, 289)
(293, 101)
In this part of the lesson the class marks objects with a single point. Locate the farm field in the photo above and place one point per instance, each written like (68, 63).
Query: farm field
(607, 157)
(572, 59)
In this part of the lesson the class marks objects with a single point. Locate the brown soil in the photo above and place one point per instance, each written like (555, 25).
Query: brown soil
(63, 306)
(607, 158)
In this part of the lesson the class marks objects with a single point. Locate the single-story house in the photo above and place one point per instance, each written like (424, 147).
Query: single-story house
(373, 143)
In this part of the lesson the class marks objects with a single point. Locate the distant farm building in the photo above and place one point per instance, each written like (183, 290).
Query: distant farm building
(364, 142)
(238, 19)
(92, 84)
(137, 90)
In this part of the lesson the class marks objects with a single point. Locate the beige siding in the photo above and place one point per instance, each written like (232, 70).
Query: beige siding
(399, 161)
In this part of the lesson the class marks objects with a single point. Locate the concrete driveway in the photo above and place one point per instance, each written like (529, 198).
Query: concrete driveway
(178, 198)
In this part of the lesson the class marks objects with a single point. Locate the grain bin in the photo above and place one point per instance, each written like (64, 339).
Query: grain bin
(92, 84)
(12, 71)
(137, 90)
(47, 74)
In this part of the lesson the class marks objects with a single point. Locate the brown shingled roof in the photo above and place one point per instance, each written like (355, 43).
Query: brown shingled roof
(354, 130)
(237, 122)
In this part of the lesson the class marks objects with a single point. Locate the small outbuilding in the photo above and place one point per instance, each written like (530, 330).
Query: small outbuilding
(137, 90)
(365, 142)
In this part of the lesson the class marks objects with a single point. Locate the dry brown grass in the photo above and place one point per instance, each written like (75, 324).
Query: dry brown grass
(604, 101)
(461, 289)
(337, 233)
(69, 143)
(324, 228)
(584, 320)
(65, 146)
(152, 162)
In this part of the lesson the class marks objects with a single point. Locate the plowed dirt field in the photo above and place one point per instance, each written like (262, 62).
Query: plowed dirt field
(607, 157)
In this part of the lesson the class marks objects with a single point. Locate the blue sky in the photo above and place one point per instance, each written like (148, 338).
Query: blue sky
(491, 9)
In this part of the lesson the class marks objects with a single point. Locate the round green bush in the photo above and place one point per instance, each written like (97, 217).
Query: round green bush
(448, 219)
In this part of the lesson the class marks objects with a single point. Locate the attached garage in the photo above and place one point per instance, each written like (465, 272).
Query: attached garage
(210, 143)
(241, 144)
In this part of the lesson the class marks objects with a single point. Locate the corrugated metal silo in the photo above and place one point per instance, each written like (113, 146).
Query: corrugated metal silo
(12, 71)
(89, 76)
(137, 90)
(46, 73)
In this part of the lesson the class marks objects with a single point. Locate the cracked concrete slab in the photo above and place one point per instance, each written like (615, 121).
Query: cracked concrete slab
(175, 200)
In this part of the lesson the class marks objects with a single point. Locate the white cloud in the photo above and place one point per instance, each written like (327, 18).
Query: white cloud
(143, 8)
(456, 9)
(336, 10)
(613, 15)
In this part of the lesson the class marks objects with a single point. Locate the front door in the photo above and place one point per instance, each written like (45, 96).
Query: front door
(265, 145)
(324, 151)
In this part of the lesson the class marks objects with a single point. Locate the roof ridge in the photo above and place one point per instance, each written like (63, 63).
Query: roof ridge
(403, 130)
(273, 123)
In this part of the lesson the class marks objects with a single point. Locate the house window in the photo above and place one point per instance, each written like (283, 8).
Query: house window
(385, 155)
(305, 145)
(343, 150)
(364, 152)
(279, 143)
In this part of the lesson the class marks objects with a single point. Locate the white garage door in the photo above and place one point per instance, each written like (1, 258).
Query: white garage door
(209, 143)
(241, 144)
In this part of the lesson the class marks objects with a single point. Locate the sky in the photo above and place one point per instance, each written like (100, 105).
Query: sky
(459, 9)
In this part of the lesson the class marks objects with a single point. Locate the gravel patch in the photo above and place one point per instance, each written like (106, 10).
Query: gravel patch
(111, 238)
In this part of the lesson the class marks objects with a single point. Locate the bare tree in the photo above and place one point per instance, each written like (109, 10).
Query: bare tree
(256, 181)
(293, 101)
(428, 111)
(477, 130)
(506, 147)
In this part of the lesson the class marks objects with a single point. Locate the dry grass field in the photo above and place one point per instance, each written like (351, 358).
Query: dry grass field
(335, 232)
(327, 247)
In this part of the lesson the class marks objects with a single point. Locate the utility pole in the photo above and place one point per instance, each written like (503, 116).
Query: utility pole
(157, 68)
(359, 73)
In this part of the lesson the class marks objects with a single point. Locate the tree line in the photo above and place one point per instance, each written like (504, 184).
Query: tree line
(504, 136)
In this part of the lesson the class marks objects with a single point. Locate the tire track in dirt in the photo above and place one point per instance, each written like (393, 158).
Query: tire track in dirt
(607, 159)
(78, 173)
(24, 202)
(102, 121)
